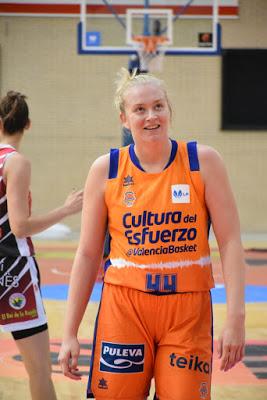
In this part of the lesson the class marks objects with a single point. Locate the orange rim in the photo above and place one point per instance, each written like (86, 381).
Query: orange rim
(150, 43)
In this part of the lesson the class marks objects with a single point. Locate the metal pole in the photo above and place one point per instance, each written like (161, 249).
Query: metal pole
(146, 31)
(215, 20)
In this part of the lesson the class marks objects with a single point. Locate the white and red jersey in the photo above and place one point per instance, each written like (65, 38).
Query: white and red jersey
(10, 245)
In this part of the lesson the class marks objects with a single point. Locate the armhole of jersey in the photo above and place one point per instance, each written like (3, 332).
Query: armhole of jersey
(8, 155)
(113, 163)
(194, 166)
(193, 156)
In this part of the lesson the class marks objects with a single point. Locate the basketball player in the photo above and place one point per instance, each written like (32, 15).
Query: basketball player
(22, 312)
(155, 317)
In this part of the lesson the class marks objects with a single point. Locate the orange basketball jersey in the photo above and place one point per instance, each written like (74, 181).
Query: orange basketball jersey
(158, 223)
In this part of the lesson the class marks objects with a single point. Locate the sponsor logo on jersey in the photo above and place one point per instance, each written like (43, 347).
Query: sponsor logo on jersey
(142, 251)
(129, 198)
(128, 180)
(122, 358)
(17, 301)
(148, 220)
(193, 363)
(8, 280)
(180, 193)
(203, 390)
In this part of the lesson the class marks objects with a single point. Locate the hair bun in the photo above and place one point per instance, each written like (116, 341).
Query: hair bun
(14, 112)
(12, 95)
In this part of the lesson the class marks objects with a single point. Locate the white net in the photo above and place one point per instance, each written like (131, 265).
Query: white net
(151, 51)
(151, 61)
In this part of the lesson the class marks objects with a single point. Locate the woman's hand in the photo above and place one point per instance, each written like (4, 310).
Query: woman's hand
(231, 344)
(74, 201)
(68, 358)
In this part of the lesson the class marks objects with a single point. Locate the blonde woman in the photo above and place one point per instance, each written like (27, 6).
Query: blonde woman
(157, 197)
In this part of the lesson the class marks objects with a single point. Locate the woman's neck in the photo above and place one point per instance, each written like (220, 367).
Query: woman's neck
(154, 158)
(11, 140)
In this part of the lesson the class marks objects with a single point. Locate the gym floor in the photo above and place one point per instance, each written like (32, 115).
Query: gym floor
(248, 380)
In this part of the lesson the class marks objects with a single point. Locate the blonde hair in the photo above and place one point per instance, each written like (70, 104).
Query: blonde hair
(126, 81)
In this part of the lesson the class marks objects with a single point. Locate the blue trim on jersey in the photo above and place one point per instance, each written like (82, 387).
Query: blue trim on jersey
(134, 158)
(107, 245)
(173, 153)
(136, 162)
(193, 156)
(113, 163)
(107, 264)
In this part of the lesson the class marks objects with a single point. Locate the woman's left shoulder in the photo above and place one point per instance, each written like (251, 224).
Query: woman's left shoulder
(208, 155)
(211, 163)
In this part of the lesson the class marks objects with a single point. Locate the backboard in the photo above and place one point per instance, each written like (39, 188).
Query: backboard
(190, 26)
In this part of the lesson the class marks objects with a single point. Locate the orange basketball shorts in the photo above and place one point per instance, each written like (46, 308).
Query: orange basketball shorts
(139, 336)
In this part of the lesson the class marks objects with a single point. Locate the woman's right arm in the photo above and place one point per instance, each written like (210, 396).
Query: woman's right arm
(17, 177)
(86, 263)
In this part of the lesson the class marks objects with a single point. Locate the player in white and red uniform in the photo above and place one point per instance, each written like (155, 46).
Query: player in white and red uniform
(22, 312)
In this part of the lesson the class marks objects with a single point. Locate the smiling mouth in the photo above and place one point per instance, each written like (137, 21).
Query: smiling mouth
(152, 128)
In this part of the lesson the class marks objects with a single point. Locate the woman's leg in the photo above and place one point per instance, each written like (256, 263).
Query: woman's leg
(36, 357)
(184, 354)
(123, 351)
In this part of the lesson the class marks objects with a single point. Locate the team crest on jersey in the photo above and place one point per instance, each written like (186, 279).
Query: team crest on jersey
(129, 198)
(203, 390)
(17, 301)
(122, 358)
(180, 193)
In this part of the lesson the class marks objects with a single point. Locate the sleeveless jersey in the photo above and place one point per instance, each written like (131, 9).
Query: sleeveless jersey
(158, 223)
(10, 245)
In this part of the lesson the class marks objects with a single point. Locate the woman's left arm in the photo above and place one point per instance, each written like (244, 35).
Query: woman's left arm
(225, 222)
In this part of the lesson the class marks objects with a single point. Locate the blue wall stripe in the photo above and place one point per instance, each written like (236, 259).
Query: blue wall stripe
(253, 293)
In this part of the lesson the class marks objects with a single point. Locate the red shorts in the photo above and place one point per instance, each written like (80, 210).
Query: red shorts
(21, 306)
(139, 336)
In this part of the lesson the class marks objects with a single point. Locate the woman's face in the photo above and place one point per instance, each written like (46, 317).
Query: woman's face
(146, 112)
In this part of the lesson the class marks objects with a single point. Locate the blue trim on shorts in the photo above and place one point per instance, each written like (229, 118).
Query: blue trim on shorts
(193, 156)
(212, 331)
(113, 163)
(89, 393)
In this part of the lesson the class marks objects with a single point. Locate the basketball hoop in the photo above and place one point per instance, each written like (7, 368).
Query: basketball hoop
(151, 51)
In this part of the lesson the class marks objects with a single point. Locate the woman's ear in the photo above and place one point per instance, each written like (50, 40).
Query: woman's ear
(28, 125)
(124, 120)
